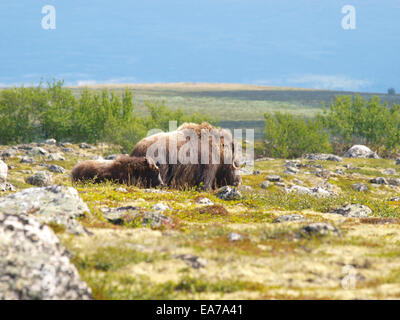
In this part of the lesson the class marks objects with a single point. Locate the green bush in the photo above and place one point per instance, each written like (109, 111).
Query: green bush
(353, 120)
(38, 113)
(290, 136)
(347, 121)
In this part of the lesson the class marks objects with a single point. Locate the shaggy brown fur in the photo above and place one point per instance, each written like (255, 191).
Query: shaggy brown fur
(125, 170)
(188, 175)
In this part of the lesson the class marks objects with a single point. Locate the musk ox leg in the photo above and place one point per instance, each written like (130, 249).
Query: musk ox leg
(207, 177)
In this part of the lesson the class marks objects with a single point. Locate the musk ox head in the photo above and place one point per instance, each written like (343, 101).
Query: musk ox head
(228, 173)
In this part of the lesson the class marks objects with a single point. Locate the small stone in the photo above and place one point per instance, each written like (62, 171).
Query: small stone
(323, 156)
(291, 170)
(121, 215)
(6, 186)
(360, 187)
(205, 201)
(256, 172)
(340, 171)
(265, 184)
(56, 157)
(28, 160)
(50, 142)
(378, 180)
(37, 151)
(274, 178)
(290, 218)
(233, 236)
(390, 171)
(323, 173)
(318, 229)
(40, 179)
(192, 260)
(67, 150)
(353, 210)
(394, 182)
(56, 169)
(9, 153)
(84, 145)
(228, 193)
(160, 207)
(121, 189)
(297, 181)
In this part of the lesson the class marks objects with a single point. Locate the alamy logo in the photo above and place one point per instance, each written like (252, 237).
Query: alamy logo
(200, 146)
(49, 20)
(349, 20)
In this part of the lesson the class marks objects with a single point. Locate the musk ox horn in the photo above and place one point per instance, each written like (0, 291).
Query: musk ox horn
(151, 161)
(235, 164)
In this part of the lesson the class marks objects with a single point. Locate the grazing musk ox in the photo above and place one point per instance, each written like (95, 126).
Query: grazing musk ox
(125, 170)
(193, 155)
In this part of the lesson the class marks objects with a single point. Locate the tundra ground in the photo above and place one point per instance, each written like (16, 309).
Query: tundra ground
(233, 249)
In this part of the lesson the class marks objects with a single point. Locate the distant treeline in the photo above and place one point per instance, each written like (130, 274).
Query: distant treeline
(348, 120)
(36, 113)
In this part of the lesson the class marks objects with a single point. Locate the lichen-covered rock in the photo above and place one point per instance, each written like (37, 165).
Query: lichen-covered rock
(378, 180)
(353, 210)
(84, 145)
(360, 187)
(9, 153)
(274, 178)
(291, 170)
(233, 236)
(318, 229)
(265, 184)
(3, 171)
(56, 204)
(290, 218)
(57, 169)
(160, 207)
(205, 201)
(51, 142)
(390, 171)
(317, 191)
(131, 214)
(40, 179)
(33, 265)
(56, 157)
(6, 186)
(191, 260)
(28, 160)
(228, 193)
(37, 151)
(394, 182)
(360, 151)
(322, 156)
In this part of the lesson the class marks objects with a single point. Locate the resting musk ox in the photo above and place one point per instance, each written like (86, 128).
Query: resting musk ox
(125, 170)
(193, 155)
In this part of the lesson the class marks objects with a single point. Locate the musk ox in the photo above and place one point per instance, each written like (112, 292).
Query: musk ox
(125, 170)
(194, 155)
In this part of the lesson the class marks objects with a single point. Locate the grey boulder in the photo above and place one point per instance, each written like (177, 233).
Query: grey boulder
(33, 264)
(56, 204)
(40, 179)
